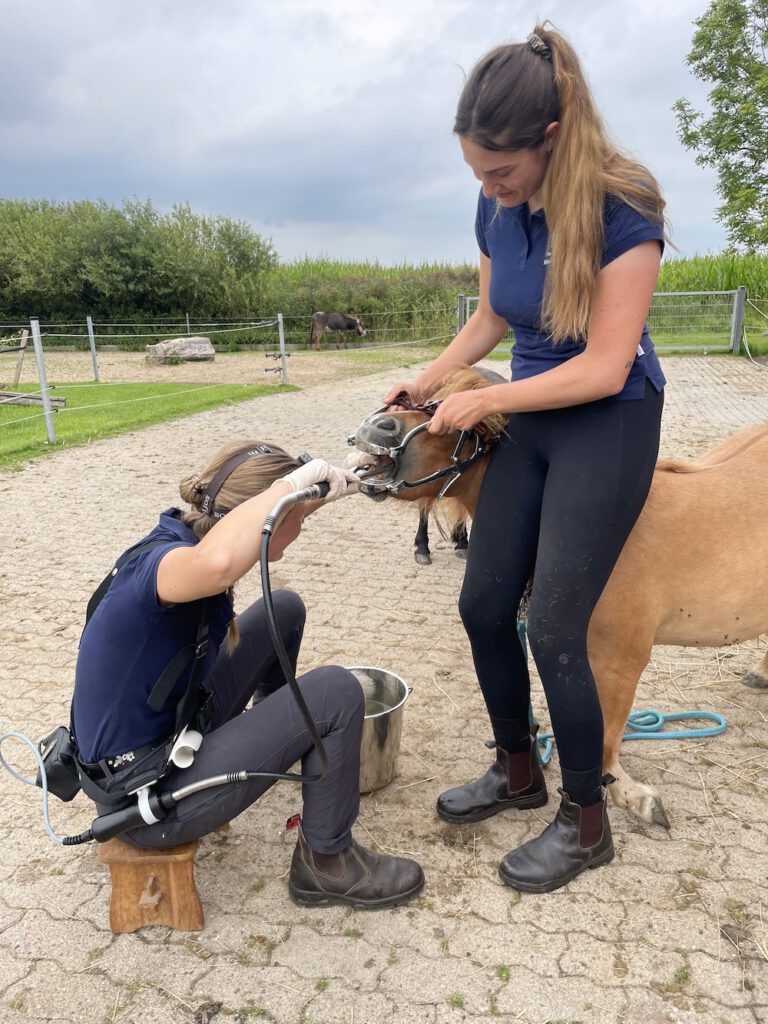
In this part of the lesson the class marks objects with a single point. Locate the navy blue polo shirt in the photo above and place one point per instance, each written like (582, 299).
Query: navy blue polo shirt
(129, 641)
(518, 248)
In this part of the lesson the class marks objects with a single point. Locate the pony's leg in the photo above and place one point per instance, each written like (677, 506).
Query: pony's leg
(758, 676)
(616, 673)
(460, 539)
(421, 541)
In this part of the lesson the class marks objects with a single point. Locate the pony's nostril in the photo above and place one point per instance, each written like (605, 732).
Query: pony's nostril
(387, 425)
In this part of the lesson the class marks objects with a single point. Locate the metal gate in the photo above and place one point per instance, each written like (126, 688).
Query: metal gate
(678, 321)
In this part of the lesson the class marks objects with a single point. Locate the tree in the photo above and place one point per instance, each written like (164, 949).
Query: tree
(62, 260)
(729, 51)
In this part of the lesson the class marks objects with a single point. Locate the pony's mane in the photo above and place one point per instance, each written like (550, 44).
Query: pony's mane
(467, 378)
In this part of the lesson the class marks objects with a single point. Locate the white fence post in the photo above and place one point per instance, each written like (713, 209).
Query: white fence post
(737, 320)
(281, 333)
(34, 323)
(92, 340)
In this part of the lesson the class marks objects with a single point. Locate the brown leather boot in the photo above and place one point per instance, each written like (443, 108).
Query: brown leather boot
(356, 876)
(578, 838)
(513, 780)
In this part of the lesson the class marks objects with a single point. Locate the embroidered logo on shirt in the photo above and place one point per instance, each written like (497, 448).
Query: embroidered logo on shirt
(121, 759)
(547, 257)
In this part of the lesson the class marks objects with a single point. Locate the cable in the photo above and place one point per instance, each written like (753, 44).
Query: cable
(61, 840)
(318, 490)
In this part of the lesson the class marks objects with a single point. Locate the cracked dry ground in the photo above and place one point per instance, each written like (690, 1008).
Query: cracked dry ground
(675, 929)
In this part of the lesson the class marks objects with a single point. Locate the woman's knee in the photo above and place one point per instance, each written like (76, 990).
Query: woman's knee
(556, 631)
(289, 607)
(483, 613)
(338, 688)
(289, 611)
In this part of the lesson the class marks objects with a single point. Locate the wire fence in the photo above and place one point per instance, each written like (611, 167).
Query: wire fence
(681, 321)
(696, 321)
(382, 327)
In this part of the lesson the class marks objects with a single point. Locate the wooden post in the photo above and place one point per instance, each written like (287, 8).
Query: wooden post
(20, 360)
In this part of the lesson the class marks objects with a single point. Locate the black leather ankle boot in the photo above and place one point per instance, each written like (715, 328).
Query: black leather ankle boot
(512, 781)
(578, 838)
(355, 876)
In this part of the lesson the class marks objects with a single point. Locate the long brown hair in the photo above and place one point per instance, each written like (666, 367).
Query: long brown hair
(510, 97)
(249, 478)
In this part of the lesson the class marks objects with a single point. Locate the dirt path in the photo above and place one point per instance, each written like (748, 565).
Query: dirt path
(675, 929)
(304, 369)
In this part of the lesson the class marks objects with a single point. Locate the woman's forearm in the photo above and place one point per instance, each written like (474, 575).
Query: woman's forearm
(479, 336)
(579, 380)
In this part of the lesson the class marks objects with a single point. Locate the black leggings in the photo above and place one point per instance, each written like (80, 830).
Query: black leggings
(559, 499)
(270, 735)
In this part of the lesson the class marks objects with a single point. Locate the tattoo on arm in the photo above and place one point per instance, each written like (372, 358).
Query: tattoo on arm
(628, 366)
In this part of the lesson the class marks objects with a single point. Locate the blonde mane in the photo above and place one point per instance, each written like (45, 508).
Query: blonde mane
(467, 378)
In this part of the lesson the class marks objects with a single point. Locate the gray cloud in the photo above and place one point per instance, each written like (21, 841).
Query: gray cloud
(324, 123)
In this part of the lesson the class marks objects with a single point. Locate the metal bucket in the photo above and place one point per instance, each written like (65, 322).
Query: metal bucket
(385, 694)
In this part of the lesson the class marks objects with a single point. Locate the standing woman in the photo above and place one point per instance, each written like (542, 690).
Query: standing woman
(571, 234)
(130, 693)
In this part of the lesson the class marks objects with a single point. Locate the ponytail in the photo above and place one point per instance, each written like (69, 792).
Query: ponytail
(513, 93)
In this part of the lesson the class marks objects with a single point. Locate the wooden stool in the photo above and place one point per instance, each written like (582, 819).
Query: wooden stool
(152, 887)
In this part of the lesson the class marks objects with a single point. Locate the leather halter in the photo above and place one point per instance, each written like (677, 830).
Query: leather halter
(477, 434)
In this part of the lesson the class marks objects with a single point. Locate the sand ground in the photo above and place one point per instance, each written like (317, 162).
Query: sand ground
(675, 929)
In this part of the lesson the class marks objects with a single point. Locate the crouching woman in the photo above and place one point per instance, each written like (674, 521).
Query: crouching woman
(183, 573)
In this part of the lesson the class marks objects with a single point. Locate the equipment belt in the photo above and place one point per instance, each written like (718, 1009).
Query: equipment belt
(109, 766)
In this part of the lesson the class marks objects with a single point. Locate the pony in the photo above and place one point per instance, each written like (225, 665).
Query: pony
(341, 323)
(684, 577)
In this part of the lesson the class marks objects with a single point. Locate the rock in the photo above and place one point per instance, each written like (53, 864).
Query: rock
(185, 350)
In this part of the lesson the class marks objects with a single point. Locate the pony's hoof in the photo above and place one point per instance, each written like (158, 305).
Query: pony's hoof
(755, 680)
(422, 559)
(460, 553)
(659, 815)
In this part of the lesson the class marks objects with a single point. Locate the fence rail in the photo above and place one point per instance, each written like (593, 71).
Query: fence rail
(681, 321)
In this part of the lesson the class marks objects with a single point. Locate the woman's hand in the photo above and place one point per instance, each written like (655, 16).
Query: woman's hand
(412, 388)
(461, 411)
(341, 481)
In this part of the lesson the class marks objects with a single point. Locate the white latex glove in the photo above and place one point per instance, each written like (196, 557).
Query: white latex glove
(341, 481)
(360, 460)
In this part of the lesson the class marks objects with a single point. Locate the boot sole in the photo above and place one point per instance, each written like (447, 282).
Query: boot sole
(306, 898)
(542, 887)
(520, 804)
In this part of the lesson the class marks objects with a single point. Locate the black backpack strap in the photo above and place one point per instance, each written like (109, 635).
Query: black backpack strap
(194, 706)
(172, 672)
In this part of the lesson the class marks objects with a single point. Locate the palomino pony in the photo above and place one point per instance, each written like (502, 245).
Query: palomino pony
(683, 577)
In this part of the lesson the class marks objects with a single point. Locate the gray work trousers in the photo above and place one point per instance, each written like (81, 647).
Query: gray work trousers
(270, 736)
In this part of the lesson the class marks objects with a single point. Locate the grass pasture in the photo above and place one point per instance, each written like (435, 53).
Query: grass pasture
(95, 411)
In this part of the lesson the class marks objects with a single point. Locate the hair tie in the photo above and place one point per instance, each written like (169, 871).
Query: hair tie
(539, 47)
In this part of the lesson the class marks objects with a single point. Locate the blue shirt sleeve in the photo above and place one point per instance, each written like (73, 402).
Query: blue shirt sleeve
(625, 228)
(143, 572)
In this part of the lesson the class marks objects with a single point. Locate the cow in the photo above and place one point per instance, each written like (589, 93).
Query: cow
(339, 322)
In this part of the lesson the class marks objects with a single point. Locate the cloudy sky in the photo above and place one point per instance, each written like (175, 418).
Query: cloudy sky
(325, 124)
